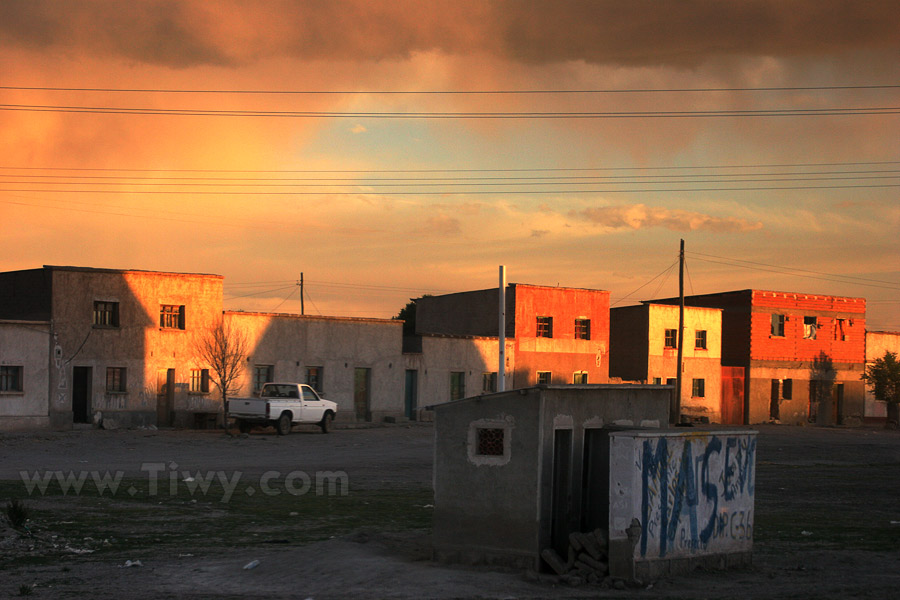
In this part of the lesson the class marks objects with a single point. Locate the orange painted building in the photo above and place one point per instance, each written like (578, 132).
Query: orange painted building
(559, 335)
(803, 353)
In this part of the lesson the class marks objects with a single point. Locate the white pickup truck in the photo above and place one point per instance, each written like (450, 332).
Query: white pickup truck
(282, 405)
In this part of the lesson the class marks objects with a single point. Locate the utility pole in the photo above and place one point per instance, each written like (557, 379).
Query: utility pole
(501, 368)
(675, 416)
(302, 305)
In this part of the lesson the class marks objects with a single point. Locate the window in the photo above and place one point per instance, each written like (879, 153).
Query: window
(700, 339)
(579, 377)
(698, 389)
(544, 327)
(657, 381)
(11, 378)
(810, 325)
(777, 325)
(671, 338)
(489, 382)
(489, 441)
(315, 378)
(171, 316)
(262, 374)
(106, 314)
(582, 329)
(543, 377)
(199, 381)
(115, 380)
(787, 389)
(839, 334)
(671, 381)
(457, 385)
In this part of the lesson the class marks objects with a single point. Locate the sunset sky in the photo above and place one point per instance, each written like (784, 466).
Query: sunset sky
(392, 149)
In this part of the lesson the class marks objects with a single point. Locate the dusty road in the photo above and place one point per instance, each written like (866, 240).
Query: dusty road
(827, 505)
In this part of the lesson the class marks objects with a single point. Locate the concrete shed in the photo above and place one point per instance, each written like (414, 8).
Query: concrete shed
(517, 472)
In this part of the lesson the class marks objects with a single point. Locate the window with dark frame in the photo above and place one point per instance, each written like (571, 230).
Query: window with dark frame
(457, 385)
(839, 334)
(106, 314)
(700, 339)
(115, 380)
(544, 377)
(171, 316)
(490, 441)
(199, 381)
(11, 379)
(315, 378)
(787, 389)
(262, 374)
(777, 325)
(489, 382)
(544, 327)
(579, 377)
(582, 329)
(810, 325)
(671, 338)
(698, 389)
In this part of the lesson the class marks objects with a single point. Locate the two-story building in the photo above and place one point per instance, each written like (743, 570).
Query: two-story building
(644, 348)
(554, 335)
(803, 354)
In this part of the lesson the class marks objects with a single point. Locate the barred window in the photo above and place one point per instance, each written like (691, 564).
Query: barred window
(582, 329)
(314, 378)
(777, 325)
(699, 388)
(490, 441)
(199, 381)
(11, 378)
(106, 314)
(262, 374)
(489, 382)
(544, 327)
(544, 377)
(457, 385)
(700, 339)
(580, 377)
(115, 380)
(671, 338)
(171, 316)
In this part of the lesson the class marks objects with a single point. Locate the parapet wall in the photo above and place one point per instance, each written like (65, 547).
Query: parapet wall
(680, 499)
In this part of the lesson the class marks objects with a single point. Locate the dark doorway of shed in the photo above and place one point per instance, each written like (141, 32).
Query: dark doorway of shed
(362, 379)
(165, 396)
(411, 393)
(561, 504)
(81, 394)
(595, 480)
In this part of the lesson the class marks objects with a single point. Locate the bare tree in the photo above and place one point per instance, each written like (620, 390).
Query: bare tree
(223, 348)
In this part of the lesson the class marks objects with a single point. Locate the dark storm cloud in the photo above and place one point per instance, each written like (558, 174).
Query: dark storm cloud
(635, 32)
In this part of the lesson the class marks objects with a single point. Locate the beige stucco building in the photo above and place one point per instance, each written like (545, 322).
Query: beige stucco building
(877, 343)
(644, 348)
(24, 374)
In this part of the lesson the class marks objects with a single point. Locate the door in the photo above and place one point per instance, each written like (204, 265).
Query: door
(837, 403)
(411, 393)
(732, 395)
(361, 384)
(595, 480)
(561, 503)
(165, 396)
(81, 394)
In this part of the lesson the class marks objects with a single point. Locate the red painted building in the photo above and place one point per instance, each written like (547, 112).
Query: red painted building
(559, 335)
(803, 354)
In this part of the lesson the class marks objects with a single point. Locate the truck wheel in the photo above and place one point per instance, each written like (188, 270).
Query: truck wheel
(284, 424)
(326, 421)
(244, 426)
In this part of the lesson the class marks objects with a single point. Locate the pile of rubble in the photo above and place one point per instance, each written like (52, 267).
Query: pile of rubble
(587, 559)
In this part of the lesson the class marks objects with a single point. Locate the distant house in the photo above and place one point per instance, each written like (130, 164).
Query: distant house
(644, 348)
(555, 336)
(803, 354)
(24, 374)
(877, 343)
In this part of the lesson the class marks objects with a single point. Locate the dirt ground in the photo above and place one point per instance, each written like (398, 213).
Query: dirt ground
(827, 521)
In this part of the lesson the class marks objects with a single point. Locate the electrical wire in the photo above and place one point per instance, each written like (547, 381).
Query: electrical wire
(623, 298)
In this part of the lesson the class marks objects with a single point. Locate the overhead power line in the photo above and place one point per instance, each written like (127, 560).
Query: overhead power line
(452, 92)
(777, 112)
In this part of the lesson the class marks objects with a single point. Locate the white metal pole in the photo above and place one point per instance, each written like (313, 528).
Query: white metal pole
(501, 369)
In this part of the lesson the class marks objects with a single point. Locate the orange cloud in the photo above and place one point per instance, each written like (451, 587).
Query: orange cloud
(640, 216)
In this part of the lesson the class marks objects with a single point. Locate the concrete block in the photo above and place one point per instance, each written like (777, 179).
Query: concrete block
(556, 563)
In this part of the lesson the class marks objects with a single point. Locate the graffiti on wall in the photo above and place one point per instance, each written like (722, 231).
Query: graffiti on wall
(696, 493)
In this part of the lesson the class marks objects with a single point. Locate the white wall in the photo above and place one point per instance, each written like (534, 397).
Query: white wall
(26, 344)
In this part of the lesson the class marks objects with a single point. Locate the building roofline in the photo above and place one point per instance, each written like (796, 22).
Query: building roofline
(523, 285)
(753, 291)
(123, 271)
(310, 317)
(22, 322)
(652, 303)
